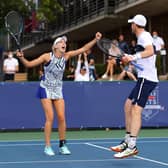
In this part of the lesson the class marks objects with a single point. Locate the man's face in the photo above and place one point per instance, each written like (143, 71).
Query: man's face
(155, 34)
(121, 37)
(10, 55)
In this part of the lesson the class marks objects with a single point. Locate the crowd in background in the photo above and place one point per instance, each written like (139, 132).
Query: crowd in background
(85, 67)
(85, 70)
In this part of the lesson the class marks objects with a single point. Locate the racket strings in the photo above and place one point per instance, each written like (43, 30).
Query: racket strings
(14, 23)
(110, 48)
(115, 51)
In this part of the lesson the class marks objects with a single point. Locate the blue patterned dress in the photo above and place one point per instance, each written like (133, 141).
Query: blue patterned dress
(51, 82)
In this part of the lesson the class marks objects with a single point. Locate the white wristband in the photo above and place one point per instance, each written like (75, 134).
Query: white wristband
(137, 56)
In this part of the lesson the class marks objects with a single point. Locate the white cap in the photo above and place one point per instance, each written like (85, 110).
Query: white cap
(139, 20)
(59, 39)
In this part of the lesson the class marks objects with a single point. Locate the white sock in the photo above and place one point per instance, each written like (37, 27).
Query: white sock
(132, 142)
(127, 137)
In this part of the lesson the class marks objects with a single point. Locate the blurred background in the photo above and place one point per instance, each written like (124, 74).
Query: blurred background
(79, 20)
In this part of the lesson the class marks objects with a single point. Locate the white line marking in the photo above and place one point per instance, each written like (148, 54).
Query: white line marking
(58, 161)
(97, 146)
(82, 139)
(151, 160)
(138, 157)
(73, 143)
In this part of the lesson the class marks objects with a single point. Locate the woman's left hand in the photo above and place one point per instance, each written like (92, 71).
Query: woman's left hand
(98, 36)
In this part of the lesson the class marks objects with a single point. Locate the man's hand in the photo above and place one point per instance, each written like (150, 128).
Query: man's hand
(127, 58)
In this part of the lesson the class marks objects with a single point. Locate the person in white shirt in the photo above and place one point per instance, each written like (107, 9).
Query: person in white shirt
(82, 72)
(160, 51)
(146, 83)
(157, 41)
(10, 67)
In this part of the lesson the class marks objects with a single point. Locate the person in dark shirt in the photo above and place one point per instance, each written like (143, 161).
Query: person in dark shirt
(123, 45)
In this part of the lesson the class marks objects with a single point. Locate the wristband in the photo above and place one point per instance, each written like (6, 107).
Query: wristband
(137, 56)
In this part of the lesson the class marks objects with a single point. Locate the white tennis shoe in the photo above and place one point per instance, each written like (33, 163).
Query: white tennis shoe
(64, 150)
(119, 148)
(126, 153)
(49, 151)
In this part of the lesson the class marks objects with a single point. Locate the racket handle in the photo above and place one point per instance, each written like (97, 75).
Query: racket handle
(136, 65)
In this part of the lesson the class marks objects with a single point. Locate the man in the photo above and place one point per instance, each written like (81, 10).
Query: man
(10, 67)
(160, 51)
(158, 41)
(147, 81)
(123, 45)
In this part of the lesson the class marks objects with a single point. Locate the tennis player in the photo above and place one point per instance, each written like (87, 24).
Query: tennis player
(147, 81)
(50, 89)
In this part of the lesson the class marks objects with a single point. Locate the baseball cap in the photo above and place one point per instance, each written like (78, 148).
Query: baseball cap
(139, 20)
(59, 39)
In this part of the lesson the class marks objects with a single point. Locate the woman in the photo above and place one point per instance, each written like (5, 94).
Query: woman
(50, 89)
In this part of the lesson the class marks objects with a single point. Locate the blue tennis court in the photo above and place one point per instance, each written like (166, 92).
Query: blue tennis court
(85, 153)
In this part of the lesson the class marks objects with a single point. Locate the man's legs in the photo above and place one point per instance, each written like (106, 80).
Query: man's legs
(124, 144)
(133, 125)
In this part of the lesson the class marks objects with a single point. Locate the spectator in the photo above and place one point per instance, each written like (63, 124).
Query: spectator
(133, 47)
(123, 45)
(111, 62)
(92, 70)
(82, 72)
(10, 67)
(160, 51)
(128, 71)
(71, 73)
(158, 41)
(41, 74)
(1, 61)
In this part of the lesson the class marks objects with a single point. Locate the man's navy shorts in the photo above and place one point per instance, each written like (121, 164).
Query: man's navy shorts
(141, 91)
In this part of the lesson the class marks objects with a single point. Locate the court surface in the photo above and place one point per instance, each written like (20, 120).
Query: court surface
(86, 153)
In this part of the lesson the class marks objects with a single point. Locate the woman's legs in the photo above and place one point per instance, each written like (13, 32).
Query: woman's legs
(60, 110)
(49, 115)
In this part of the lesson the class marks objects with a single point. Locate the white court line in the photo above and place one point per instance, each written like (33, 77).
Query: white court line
(80, 139)
(57, 161)
(75, 143)
(138, 157)
(97, 146)
(151, 160)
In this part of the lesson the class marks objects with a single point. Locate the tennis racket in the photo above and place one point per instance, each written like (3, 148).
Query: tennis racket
(14, 25)
(110, 48)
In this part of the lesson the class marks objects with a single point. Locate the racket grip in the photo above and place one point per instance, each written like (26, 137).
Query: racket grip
(136, 65)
